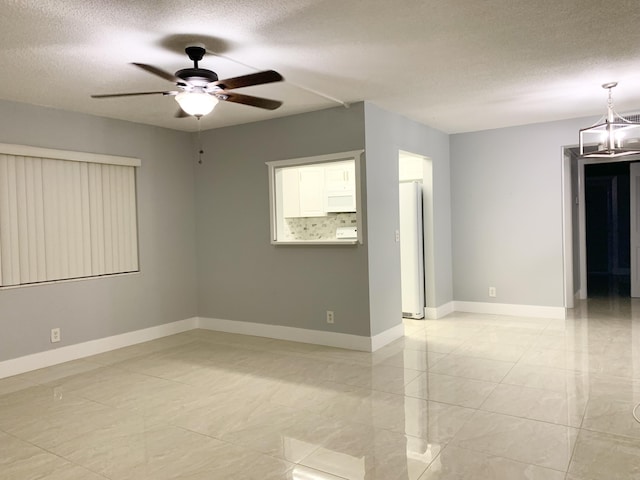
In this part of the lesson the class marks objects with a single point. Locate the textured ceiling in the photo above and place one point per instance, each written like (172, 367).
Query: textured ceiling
(456, 65)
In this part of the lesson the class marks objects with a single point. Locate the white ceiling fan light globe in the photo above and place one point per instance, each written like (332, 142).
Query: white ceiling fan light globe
(197, 104)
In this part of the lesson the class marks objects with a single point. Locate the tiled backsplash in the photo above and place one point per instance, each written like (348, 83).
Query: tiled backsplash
(317, 228)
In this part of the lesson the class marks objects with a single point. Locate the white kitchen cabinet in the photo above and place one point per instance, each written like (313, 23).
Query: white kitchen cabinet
(290, 192)
(340, 176)
(340, 187)
(303, 192)
(312, 191)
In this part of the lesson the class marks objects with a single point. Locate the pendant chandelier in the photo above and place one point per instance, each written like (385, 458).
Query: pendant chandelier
(612, 136)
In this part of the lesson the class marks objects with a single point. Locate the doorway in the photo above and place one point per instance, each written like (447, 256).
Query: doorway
(574, 225)
(607, 228)
(417, 168)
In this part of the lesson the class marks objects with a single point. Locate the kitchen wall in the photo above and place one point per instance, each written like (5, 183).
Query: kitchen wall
(164, 291)
(317, 228)
(386, 134)
(507, 212)
(241, 275)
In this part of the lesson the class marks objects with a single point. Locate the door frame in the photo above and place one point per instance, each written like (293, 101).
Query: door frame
(634, 196)
(568, 198)
(428, 235)
(567, 224)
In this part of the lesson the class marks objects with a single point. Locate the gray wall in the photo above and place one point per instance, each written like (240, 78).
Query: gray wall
(241, 275)
(507, 212)
(164, 291)
(386, 134)
(502, 188)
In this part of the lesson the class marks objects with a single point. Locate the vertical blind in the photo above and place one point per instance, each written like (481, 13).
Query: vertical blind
(65, 219)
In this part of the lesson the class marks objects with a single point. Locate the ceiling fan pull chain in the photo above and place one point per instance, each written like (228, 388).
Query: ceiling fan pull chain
(200, 150)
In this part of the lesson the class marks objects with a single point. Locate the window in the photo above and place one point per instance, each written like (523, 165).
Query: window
(65, 215)
(316, 199)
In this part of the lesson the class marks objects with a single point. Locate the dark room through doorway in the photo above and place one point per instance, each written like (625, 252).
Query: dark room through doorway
(607, 210)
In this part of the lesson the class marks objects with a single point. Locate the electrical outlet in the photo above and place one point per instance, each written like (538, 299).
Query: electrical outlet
(492, 291)
(55, 335)
(329, 316)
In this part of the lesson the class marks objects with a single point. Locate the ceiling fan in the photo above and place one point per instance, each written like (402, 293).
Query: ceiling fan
(199, 89)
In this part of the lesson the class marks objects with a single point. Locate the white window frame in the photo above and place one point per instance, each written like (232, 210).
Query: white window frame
(354, 155)
(80, 198)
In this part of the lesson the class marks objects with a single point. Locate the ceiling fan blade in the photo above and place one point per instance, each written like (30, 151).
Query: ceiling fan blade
(250, 100)
(268, 76)
(133, 94)
(160, 73)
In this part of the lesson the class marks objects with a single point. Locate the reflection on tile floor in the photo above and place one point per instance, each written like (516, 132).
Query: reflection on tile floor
(466, 397)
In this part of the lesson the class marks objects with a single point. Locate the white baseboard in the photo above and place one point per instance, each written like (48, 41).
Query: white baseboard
(333, 339)
(534, 311)
(433, 313)
(48, 358)
(303, 335)
(386, 337)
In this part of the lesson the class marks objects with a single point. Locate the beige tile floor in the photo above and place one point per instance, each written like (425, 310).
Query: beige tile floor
(467, 397)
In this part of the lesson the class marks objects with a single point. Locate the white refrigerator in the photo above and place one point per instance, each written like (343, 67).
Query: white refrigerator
(411, 250)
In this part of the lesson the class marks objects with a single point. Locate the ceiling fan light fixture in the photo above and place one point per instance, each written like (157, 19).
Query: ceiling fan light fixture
(612, 136)
(196, 103)
(199, 90)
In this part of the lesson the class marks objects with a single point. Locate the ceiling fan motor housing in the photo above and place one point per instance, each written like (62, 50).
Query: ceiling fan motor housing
(197, 76)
